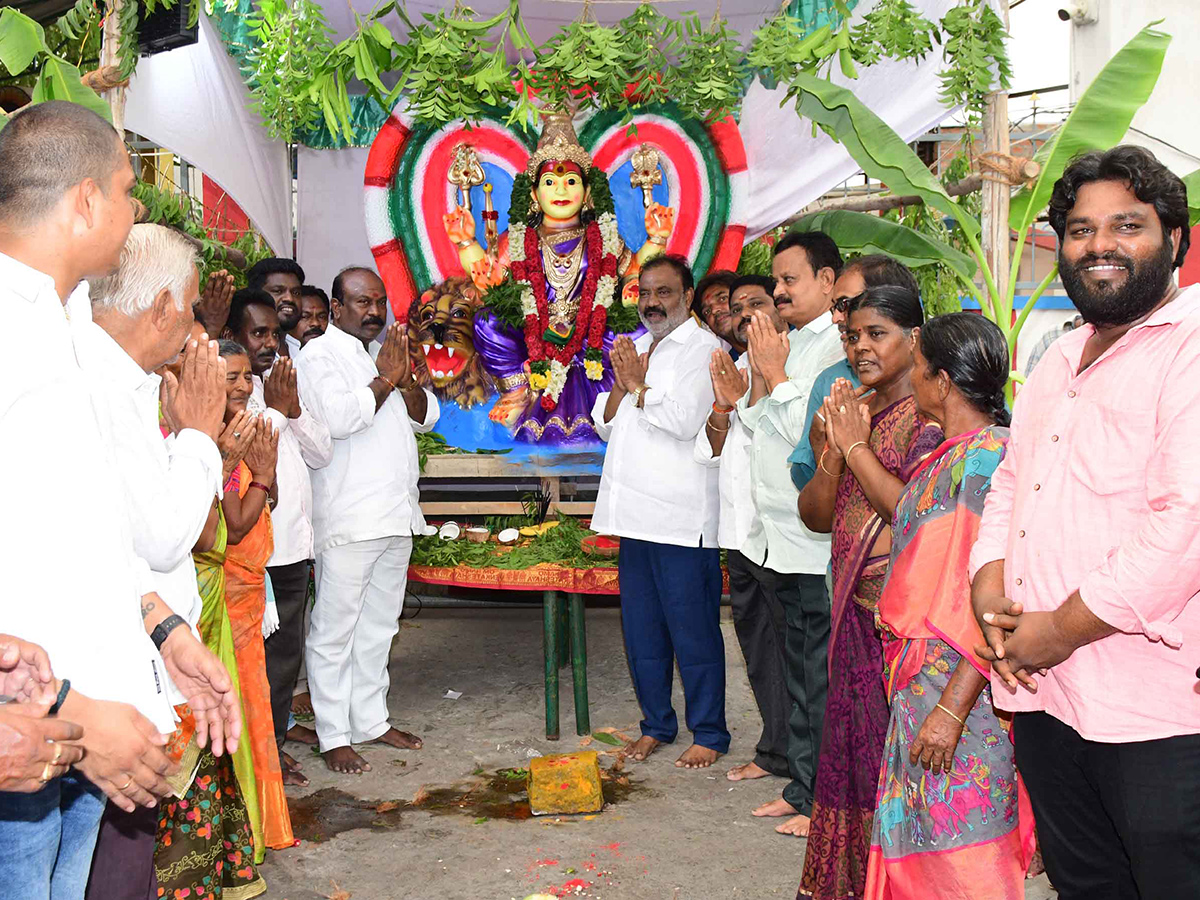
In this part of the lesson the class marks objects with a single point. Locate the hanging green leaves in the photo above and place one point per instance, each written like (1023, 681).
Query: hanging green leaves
(976, 57)
(293, 41)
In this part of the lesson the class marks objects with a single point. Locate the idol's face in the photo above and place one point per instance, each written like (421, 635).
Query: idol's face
(560, 196)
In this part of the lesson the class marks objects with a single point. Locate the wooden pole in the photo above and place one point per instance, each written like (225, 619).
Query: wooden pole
(996, 194)
(110, 41)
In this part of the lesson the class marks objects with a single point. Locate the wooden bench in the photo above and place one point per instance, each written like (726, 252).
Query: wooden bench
(498, 484)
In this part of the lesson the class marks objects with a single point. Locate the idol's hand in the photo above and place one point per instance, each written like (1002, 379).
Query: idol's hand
(459, 225)
(660, 221)
(486, 273)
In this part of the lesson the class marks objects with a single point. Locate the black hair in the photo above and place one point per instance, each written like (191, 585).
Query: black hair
(719, 278)
(1150, 181)
(897, 303)
(972, 351)
(878, 269)
(48, 148)
(676, 262)
(819, 247)
(337, 291)
(766, 282)
(243, 300)
(226, 347)
(311, 290)
(257, 274)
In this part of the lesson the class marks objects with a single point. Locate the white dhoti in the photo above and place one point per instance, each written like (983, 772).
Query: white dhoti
(360, 595)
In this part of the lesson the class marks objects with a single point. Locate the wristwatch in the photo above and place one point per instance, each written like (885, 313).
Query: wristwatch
(164, 628)
(637, 393)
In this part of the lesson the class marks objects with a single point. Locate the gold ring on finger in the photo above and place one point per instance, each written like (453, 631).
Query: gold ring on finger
(47, 772)
(126, 785)
(58, 751)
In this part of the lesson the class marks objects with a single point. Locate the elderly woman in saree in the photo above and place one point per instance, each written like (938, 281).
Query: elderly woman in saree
(874, 440)
(952, 816)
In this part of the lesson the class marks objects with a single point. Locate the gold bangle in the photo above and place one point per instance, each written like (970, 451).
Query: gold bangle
(465, 243)
(821, 463)
(710, 424)
(951, 715)
(386, 381)
(846, 455)
(662, 242)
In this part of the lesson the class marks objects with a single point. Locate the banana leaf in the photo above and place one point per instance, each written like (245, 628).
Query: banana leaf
(880, 152)
(864, 233)
(21, 39)
(1099, 120)
(1192, 182)
(61, 81)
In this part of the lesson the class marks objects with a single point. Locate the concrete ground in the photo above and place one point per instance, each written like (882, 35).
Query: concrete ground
(675, 835)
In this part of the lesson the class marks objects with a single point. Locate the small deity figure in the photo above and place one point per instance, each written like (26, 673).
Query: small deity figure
(566, 256)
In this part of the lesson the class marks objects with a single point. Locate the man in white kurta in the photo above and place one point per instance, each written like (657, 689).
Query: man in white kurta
(365, 512)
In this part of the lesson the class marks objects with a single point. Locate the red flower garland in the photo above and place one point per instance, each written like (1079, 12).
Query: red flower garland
(587, 324)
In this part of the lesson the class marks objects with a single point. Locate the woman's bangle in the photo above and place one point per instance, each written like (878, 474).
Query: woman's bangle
(850, 449)
(262, 487)
(951, 715)
(821, 463)
(723, 410)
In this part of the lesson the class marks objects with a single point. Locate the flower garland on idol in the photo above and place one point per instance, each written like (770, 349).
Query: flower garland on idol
(550, 354)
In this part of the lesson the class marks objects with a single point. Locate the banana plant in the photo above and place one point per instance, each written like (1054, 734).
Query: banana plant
(22, 45)
(1099, 121)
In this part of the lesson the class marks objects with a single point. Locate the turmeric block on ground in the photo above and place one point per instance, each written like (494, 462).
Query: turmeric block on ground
(565, 783)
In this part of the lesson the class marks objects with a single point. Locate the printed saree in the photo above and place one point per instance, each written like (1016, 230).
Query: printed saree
(246, 595)
(205, 845)
(856, 714)
(969, 833)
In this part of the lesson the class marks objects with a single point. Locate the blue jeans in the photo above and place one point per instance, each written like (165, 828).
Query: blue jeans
(47, 839)
(671, 610)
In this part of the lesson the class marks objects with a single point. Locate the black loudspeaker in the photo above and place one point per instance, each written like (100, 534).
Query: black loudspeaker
(165, 29)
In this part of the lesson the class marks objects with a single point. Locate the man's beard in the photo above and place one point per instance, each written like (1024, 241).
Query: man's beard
(289, 316)
(1107, 305)
(660, 328)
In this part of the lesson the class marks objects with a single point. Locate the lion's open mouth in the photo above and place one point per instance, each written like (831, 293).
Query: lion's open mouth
(444, 363)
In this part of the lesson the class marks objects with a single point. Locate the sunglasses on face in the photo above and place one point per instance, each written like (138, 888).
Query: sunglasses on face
(842, 304)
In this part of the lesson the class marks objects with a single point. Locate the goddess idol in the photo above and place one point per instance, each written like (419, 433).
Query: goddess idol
(566, 263)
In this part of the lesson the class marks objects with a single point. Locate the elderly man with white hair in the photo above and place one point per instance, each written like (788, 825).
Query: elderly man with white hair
(141, 320)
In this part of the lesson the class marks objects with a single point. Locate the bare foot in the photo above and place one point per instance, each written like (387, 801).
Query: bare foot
(291, 771)
(302, 735)
(797, 825)
(402, 740)
(697, 757)
(776, 808)
(302, 705)
(641, 748)
(345, 761)
(747, 772)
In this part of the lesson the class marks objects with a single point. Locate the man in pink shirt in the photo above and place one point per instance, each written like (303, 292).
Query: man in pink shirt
(1087, 565)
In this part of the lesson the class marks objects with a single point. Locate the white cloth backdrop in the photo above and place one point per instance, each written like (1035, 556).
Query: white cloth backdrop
(192, 101)
(329, 210)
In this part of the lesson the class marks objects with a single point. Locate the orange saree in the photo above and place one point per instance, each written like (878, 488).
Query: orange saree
(246, 599)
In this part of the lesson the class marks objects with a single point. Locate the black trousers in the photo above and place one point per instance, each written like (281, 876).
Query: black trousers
(782, 625)
(123, 863)
(285, 648)
(759, 623)
(1115, 821)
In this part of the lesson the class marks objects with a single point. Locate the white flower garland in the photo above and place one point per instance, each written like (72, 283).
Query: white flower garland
(609, 234)
(528, 303)
(606, 290)
(516, 242)
(558, 379)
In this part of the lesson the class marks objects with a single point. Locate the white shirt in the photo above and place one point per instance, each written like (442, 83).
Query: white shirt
(652, 488)
(369, 488)
(778, 539)
(72, 581)
(304, 443)
(169, 485)
(294, 347)
(733, 478)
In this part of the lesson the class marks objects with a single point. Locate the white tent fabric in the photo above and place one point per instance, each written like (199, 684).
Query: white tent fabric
(193, 102)
(329, 209)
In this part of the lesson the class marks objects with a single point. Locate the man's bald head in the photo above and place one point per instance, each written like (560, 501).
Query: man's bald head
(45, 150)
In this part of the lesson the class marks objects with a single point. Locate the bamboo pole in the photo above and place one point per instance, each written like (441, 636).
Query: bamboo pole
(996, 194)
(110, 41)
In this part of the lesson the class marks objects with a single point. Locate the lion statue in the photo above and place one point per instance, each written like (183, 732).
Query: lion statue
(441, 339)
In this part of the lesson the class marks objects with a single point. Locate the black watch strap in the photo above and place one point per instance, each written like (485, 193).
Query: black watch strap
(164, 628)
